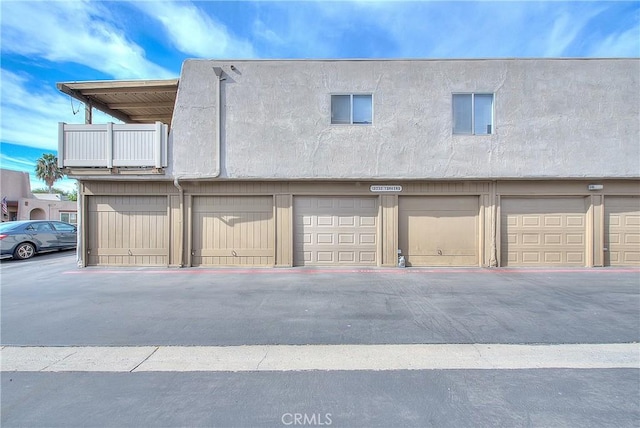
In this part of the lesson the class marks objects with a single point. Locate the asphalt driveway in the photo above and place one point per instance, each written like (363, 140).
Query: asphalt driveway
(48, 301)
(534, 347)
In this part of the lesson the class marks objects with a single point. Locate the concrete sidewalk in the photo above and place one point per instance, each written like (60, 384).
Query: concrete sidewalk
(319, 357)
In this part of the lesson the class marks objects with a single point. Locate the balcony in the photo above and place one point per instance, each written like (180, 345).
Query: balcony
(114, 147)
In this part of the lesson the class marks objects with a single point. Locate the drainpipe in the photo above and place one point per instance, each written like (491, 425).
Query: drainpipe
(176, 183)
(218, 136)
(218, 72)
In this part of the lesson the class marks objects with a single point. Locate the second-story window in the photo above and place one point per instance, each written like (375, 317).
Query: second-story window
(351, 109)
(473, 114)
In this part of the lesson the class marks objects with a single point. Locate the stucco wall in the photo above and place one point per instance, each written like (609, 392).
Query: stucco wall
(40, 209)
(553, 118)
(14, 184)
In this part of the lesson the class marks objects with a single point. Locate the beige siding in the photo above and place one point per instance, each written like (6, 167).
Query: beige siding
(140, 187)
(175, 242)
(389, 211)
(335, 231)
(439, 230)
(509, 223)
(543, 231)
(284, 243)
(127, 230)
(597, 208)
(233, 231)
(622, 231)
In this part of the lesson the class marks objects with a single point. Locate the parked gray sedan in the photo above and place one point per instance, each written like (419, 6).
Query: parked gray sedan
(23, 239)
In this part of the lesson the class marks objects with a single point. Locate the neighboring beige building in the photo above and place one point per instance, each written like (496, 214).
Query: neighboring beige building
(505, 162)
(24, 205)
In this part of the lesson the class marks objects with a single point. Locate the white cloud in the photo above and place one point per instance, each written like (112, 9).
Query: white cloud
(16, 163)
(311, 29)
(30, 119)
(454, 29)
(194, 32)
(30, 114)
(567, 27)
(625, 44)
(75, 31)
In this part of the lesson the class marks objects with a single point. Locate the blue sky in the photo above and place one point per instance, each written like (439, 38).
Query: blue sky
(43, 43)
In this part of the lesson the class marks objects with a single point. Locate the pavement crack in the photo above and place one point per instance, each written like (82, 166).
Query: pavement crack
(145, 360)
(263, 358)
(58, 361)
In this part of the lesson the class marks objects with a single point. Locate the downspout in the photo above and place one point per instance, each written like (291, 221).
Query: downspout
(218, 134)
(176, 181)
(218, 72)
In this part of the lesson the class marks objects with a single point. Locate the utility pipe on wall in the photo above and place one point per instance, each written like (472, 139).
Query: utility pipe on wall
(218, 72)
(218, 133)
(217, 152)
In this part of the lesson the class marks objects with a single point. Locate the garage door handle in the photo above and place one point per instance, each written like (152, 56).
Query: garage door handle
(233, 253)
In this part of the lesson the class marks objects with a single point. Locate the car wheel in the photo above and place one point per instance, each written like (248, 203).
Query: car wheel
(24, 251)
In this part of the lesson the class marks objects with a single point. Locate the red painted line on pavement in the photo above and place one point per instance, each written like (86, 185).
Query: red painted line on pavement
(305, 271)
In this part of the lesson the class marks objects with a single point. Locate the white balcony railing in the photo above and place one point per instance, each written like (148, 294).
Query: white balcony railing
(112, 145)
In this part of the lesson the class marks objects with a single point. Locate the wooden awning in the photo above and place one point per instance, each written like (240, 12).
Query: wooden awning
(131, 101)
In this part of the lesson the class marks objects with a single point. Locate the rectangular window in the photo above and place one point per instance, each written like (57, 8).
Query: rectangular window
(71, 218)
(473, 114)
(351, 109)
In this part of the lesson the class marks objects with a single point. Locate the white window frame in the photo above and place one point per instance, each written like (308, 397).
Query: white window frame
(350, 95)
(69, 213)
(473, 113)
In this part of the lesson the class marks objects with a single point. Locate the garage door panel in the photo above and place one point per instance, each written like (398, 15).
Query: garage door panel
(368, 238)
(344, 238)
(127, 230)
(622, 230)
(543, 231)
(576, 221)
(576, 257)
(632, 239)
(335, 230)
(346, 221)
(233, 231)
(439, 230)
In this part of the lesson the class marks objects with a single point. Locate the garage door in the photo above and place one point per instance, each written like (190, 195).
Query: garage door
(233, 231)
(335, 231)
(622, 231)
(438, 230)
(127, 231)
(543, 231)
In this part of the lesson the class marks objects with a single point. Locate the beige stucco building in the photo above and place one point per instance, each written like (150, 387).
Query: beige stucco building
(15, 186)
(505, 162)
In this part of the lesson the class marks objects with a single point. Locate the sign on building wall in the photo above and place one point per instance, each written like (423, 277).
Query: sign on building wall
(385, 188)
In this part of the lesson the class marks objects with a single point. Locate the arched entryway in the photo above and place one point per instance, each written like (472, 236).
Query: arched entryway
(37, 214)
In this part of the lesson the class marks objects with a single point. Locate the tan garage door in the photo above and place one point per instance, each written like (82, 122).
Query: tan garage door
(622, 231)
(438, 230)
(127, 231)
(233, 231)
(543, 231)
(335, 231)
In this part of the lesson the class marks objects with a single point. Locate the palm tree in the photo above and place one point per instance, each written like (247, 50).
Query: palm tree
(47, 170)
